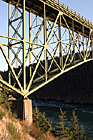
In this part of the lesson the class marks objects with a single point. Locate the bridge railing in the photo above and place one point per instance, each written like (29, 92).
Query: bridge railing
(62, 5)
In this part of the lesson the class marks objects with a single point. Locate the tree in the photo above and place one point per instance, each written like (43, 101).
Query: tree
(76, 129)
(40, 120)
(62, 129)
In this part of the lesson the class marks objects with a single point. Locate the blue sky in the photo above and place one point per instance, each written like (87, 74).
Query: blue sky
(84, 7)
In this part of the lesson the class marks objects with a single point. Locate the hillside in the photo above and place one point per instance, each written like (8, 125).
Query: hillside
(74, 86)
(12, 128)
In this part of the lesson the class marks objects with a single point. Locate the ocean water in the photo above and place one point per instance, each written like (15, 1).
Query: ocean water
(52, 110)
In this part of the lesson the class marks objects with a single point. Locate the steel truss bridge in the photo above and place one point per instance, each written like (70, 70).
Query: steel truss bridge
(45, 39)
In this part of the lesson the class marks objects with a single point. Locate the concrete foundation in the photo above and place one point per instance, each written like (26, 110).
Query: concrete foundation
(23, 109)
(27, 110)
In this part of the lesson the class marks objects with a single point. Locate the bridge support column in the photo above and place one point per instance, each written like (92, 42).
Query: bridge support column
(83, 40)
(27, 110)
(73, 48)
(60, 44)
(9, 33)
(45, 42)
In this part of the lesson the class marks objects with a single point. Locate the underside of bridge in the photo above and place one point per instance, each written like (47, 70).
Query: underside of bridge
(45, 39)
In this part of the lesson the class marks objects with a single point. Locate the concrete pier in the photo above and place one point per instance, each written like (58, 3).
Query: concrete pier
(27, 110)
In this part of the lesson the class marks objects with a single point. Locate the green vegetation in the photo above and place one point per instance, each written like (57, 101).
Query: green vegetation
(41, 129)
(62, 129)
(69, 129)
(14, 135)
(76, 129)
(40, 120)
(4, 101)
(2, 114)
(5, 104)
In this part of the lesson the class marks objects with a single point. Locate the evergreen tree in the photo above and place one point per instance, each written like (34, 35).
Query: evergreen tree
(40, 120)
(62, 129)
(76, 129)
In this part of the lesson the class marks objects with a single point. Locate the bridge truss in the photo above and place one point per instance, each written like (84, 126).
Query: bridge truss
(56, 40)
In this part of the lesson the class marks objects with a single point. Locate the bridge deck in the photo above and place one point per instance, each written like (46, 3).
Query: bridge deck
(52, 8)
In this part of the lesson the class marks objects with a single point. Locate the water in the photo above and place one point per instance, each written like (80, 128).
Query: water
(84, 112)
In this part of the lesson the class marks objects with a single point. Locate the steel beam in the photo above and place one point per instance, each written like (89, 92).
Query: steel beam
(83, 40)
(24, 66)
(9, 33)
(30, 41)
(56, 76)
(10, 66)
(31, 80)
(53, 27)
(53, 51)
(45, 42)
(60, 44)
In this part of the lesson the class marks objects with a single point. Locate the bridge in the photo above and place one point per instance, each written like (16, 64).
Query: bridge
(46, 36)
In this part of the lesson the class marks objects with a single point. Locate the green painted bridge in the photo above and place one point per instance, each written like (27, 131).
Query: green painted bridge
(47, 36)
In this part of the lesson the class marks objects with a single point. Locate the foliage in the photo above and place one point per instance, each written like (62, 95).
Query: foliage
(75, 128)
(4, 101)
(62, 129)
(12, 131)
(36, 132)
(40, 120)
(71, 130)
(41, 126)
(39, 135)
(2, 114)
(32, 130)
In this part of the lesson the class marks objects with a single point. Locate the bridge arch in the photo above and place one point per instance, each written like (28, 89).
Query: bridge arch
(56, 40)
